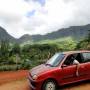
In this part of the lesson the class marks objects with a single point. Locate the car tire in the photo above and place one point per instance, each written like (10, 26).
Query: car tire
(49, 85)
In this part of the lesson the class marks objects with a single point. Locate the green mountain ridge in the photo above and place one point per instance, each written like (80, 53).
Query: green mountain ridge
(5, 36)
(75, 32)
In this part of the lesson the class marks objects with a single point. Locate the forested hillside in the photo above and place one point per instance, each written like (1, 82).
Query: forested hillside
(75, 32)
(15, 56)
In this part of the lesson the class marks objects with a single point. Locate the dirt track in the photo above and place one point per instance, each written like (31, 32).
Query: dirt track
(12, 75)
(22, 84)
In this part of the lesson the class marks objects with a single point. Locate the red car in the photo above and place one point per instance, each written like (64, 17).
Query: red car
(63, 68)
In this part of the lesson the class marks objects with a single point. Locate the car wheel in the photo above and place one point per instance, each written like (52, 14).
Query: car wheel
(49, 85)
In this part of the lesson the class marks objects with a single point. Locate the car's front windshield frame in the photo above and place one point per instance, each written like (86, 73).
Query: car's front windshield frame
(55, 60)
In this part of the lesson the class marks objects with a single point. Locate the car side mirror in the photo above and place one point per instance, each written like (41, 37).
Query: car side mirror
(64, 65)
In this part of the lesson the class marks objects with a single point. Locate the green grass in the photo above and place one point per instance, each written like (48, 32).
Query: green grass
(63, 43)
(54, 41)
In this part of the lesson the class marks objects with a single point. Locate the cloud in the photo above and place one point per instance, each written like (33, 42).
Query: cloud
(41, 2)
(19, 17)
(50, 17)
(12, 13)
(80, 14)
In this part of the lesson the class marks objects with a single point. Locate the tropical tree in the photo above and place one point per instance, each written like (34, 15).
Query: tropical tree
(4, 50)
(84, 44)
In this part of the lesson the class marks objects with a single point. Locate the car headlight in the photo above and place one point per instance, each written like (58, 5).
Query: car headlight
(34, 77)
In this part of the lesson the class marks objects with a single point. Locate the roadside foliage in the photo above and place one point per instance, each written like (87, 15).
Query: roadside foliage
(15, 56)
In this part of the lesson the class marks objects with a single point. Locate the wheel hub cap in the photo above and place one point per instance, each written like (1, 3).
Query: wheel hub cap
(50, 86)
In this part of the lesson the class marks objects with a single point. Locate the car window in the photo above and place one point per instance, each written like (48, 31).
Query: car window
(86, 57)
(69, 60)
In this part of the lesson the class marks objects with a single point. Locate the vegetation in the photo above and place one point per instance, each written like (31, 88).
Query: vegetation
(14, 56)
(63, 43)
(84, 44)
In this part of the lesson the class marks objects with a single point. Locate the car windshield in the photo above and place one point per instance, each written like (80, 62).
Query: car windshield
(55, 60)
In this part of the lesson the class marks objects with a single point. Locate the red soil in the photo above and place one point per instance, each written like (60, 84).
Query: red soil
(12, 75)
(23, 84)
(17, 81)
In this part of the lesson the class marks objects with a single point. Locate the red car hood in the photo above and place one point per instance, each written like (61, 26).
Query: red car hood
(40, 69)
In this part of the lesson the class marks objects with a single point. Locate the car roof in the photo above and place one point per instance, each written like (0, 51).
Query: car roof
(73, 52)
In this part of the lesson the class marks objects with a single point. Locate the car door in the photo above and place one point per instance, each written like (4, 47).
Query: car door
(68, 73)
(84, 70)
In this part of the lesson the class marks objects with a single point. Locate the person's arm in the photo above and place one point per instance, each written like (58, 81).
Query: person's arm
(77, 68)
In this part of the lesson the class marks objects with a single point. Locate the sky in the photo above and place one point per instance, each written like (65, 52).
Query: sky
(32, 17)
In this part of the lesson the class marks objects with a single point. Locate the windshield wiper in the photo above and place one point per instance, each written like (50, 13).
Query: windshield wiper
(49, 65)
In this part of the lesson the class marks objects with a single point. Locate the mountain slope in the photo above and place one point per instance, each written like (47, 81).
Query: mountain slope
(77, 32)
(5, 36)
(25, 39)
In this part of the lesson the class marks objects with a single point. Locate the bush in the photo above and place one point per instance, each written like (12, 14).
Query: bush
(29, 56)
(8, 68)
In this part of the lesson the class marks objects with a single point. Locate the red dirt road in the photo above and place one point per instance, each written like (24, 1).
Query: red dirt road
(16, 85)
(17, 81)
(24, 85)
(12, 75)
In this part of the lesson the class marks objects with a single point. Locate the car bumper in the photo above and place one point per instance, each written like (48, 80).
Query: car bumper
(34, 85)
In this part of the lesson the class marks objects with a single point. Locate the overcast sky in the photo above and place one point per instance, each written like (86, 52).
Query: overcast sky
(20, 17)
